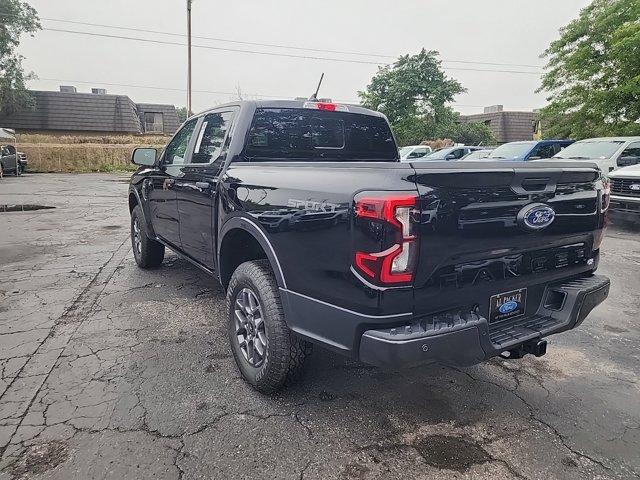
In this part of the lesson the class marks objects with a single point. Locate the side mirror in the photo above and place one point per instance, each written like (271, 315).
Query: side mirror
(144, 156)
(450, 156)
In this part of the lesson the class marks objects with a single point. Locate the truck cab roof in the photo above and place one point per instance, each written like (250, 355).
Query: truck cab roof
(257, 104)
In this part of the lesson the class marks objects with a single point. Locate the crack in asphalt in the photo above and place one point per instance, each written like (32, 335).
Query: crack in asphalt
(75, 306)
(533, 416)
(304, 470)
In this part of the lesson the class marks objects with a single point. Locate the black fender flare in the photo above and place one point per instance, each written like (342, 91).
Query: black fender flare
(135, 192)
(252, 227)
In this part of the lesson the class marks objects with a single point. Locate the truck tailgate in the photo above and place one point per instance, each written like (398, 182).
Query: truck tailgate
(475, 242)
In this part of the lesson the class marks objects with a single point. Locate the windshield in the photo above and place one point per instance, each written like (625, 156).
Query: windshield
(511, 150)
(590, 149)
(404, 151)
(303, 134)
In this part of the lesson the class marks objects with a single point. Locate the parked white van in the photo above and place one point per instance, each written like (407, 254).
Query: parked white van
(609, 153)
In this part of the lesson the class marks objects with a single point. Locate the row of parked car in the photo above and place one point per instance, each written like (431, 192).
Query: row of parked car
(617, 157)
(608, 153)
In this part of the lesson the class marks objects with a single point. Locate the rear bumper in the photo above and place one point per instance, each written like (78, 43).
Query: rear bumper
(466, 339)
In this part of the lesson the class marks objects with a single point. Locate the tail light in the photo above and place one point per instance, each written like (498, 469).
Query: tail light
(394, 261)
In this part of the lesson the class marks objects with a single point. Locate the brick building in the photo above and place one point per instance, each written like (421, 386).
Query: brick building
(506, 126)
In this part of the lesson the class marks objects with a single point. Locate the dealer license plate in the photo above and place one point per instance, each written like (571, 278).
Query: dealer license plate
(504, 306)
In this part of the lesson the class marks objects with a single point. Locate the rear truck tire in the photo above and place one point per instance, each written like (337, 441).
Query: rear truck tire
(268, 354)
(147, 252)
(18, 171)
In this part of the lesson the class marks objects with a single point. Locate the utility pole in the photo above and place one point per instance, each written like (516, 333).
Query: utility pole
(189, 111)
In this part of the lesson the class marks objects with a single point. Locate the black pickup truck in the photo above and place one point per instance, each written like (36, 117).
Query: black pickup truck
(320, 235)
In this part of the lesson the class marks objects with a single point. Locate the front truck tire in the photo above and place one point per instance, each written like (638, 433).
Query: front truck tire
(267, 353)
(148, 252)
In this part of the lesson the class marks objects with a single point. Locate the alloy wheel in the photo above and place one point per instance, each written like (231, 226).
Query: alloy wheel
(137, 237)
(250, 329)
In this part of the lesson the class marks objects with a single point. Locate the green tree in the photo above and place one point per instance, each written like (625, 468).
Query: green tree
(182, 114)
(467, 133)
(413, 93)
(593, 73)
(16, 18)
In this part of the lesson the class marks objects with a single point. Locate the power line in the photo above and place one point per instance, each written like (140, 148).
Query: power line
(276, 45)
(271, 45)
(273, 54)
(217, 39)
(209, 47)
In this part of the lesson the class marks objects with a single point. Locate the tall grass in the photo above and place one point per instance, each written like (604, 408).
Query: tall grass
(113, 139)
(83, 153)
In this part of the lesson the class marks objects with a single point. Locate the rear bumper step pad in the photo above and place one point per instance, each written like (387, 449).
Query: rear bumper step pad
(467, 338)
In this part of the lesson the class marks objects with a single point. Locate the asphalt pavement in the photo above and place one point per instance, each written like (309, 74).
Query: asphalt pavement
(108, 371)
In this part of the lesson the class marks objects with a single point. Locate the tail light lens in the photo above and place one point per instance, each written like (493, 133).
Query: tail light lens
(394, 264)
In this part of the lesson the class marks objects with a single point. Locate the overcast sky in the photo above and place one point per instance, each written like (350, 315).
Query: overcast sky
(512, 32)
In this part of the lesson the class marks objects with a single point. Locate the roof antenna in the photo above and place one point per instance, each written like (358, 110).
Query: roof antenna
(314, 97)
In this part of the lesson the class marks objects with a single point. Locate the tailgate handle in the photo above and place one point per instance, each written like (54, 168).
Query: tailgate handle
(527, 182)
(535, 184)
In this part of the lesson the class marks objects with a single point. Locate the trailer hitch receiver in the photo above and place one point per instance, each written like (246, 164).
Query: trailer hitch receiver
(534, 347)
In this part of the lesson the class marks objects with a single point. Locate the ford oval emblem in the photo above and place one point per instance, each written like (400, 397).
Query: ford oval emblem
(536, 216)
(508, 307)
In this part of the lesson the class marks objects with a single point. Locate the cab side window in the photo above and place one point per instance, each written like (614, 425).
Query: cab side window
(543, 151)
(630, 155)
(176, 151)
(212, 141)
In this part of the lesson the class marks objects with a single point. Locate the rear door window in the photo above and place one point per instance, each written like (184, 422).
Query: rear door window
(298, 134)
(210, 146)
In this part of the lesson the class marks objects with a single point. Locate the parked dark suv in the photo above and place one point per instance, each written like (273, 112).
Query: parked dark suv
(320, 235)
